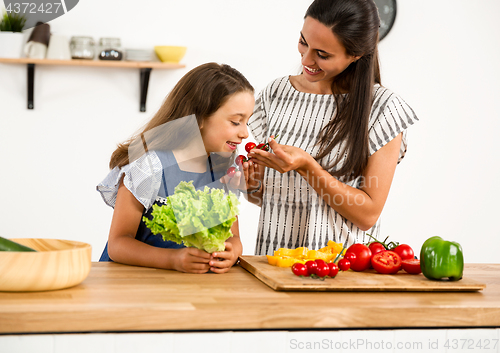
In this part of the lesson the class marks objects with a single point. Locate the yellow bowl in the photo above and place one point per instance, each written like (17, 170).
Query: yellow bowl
(168, 53)
(57, 264)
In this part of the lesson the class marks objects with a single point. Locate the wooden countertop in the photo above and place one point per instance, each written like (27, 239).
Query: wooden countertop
(120, 298)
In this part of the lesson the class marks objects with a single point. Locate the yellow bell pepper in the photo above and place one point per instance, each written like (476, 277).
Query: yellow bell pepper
(287, 261)
(272, 260)
(284, 257)
(299, 252)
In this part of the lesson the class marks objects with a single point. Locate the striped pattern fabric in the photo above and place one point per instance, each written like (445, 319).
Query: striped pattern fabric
(293, 214)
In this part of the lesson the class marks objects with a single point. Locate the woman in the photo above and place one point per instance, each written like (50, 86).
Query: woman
(341, 135)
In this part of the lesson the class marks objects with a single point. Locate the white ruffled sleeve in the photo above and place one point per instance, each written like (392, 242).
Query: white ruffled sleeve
(142, 178)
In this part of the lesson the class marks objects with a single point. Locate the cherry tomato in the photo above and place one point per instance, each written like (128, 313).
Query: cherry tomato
(375, 248)
(344, 264)
(411, 266)
(239, 160)
(363, 256)
(350, 256)
(320, 262)
(231, 171)
(250, 146)
(386, 262)
(404, 251)
(300, 269)
(311, 267)
(322, 269)
(334, 269)
(263, 146)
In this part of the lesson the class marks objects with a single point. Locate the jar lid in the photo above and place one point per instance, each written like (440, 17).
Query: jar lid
(82, 40)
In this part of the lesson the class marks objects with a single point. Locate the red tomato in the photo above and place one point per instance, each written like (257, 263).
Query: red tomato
(375, 248)
(404, 251)
(363, 256)
(231, 171)
(250, 146)
(334, 269)
(322, 269)
(263, 146)
(411, 266)
(311, 267)
(350, 256)
(344, 264)
(300, 269)
(386, 262)
(320, 262)
(239, 160)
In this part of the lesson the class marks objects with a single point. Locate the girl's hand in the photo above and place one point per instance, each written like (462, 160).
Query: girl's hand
(222, 261)
(191, 260)
(284, 158)
(248, 178)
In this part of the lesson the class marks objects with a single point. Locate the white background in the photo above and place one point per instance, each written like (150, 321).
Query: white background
(441, 57)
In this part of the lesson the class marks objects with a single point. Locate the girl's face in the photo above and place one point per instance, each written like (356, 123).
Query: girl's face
(224, 130)
(323, 56)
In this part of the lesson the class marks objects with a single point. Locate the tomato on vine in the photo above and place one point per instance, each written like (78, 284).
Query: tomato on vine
(250, 146)
(334, 269)
(404, 251)
(231, 171)
(311, 267)
(239, 160)
(263, 146)
(322, 269)
(344, 264)
(300, 269)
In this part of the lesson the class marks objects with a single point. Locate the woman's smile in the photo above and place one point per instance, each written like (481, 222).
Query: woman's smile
(311, 71)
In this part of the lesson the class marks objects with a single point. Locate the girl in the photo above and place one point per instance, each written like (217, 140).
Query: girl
(200, 123)
(341, 134)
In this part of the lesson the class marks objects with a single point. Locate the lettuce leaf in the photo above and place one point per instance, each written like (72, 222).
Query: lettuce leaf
(197, 218)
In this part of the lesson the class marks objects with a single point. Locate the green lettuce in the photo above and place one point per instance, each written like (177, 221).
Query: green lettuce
(200, 219)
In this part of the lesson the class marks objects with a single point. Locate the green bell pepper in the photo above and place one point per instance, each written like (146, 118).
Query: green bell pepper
(441, 259)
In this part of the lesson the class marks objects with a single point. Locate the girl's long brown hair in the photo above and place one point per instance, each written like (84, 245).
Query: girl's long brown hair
(355, 23)
(202, 91)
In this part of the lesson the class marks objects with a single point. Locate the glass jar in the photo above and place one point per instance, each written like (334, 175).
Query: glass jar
(109, 43)
(110, 49)
(82, 48)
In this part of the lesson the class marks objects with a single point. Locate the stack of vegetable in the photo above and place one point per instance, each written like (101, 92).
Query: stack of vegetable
(439, 259)
(196, 218)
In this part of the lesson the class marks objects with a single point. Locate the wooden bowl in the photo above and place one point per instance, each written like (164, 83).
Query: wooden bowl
(57, 264)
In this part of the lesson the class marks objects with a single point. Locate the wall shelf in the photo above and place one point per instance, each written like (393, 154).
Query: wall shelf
(144, 67)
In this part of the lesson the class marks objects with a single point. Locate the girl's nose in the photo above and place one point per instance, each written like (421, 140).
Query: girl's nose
(243, 133)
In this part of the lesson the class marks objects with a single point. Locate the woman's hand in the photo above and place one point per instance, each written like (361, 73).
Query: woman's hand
(191, 260)
(222, 261)
(284, 158)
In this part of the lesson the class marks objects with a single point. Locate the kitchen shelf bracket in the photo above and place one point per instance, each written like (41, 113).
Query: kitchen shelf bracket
(144, 82)
(31, 83)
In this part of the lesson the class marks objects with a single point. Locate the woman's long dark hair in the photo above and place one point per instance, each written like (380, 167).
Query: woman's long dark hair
(355, 23)
(201, 92)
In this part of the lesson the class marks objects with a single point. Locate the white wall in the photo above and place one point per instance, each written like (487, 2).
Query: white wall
(441, 57)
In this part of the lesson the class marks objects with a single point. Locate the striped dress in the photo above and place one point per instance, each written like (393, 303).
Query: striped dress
(293, 214)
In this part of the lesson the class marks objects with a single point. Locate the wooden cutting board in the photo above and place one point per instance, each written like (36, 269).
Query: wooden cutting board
(282, 279)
